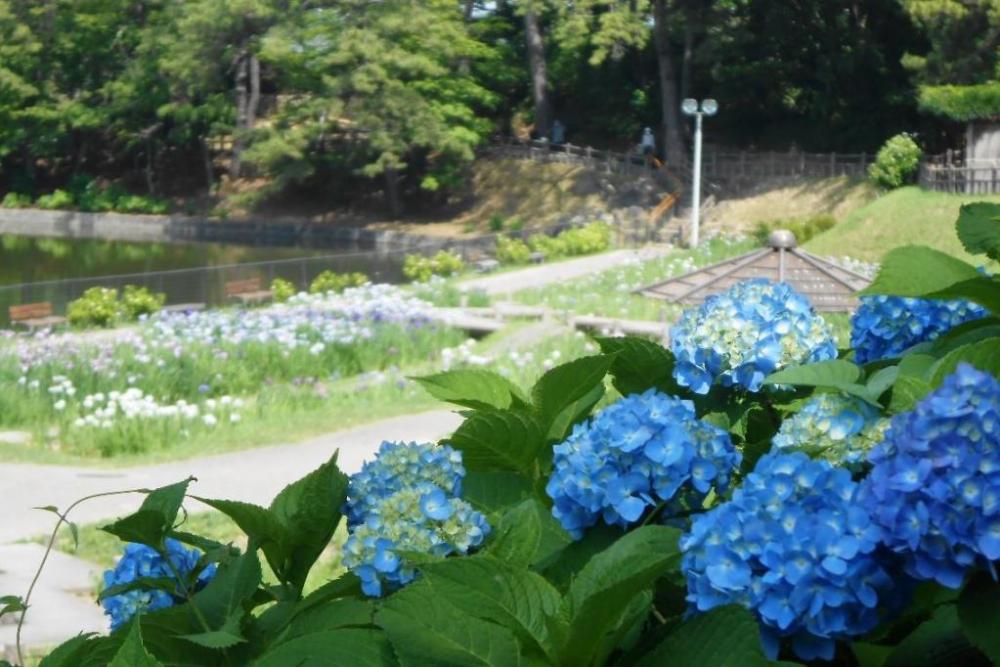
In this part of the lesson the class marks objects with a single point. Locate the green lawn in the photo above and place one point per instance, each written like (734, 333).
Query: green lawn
(902, 217)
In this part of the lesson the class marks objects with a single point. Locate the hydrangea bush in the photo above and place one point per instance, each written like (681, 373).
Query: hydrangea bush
(644, 450)
(886, 326)
(740, 336)
(620, 511)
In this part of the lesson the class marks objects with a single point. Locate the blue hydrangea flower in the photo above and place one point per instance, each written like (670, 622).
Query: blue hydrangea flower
(885, 326)
(742, 335)
(397, 466)
(795, 547)
(421, 519)
(935, 484)
(644, 449)
(839, 428)
(140, 561)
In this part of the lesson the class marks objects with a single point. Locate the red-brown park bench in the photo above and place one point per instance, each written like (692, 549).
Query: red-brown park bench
(248, 291)
(35, 315)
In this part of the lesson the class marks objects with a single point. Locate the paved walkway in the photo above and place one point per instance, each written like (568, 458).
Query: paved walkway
(557, 272)
(62, 604)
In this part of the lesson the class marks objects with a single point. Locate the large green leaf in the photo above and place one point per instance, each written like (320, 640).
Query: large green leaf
(603, 590)
(982, 290)
(984, 355)
(229, 589)
(260, 525)
(979, 615)
(978, 229)
(339, 613)
(309, 509)
(838, 374)
(354, 647)
(427, 631)
(132, 652)
(937, 641)
(489, 491)
(963, 334)
(227, 636)
(155, 517)
(724, 637)
(907, 392)
(526, 534)
(917, 271)
(473, 388)
(640, 364)
(72, 652)
(562, 566)
(499, 591)
(567, 392)
(500, 440)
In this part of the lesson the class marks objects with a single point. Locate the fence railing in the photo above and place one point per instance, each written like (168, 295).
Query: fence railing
(979, 177)
(758, 165)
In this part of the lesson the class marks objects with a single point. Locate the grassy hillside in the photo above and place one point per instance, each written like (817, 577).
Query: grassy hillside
(784, 199)
(902, 217)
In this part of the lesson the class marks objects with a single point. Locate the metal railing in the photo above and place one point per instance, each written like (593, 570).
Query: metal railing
(979, 177)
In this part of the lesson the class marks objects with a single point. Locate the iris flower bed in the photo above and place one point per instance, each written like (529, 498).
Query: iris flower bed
(178, 374)
(734, 500)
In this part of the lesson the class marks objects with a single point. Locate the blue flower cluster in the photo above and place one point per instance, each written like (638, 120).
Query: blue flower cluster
(839, 428)
(742, 335)
(935, 484)
(885, 326)
(421, 519)
(794, 546)
(140, 562)
(644, 449)
(398, 466)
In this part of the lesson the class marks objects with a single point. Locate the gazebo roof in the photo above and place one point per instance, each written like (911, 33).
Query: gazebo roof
(828, 286)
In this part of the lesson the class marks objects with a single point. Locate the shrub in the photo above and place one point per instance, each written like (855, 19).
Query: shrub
(896, 163)
(330, 281)
(549, 246)
(586, 240)
(496, 223)
(16, 200)
(444, 263)
(140, 204)
(97, 307)
(512, 251)
(138, 301)
(282, 289)
(58, 199)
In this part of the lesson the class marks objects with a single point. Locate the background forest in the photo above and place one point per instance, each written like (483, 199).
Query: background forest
(353, 100)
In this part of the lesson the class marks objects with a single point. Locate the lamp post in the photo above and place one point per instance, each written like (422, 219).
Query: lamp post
(690, 107)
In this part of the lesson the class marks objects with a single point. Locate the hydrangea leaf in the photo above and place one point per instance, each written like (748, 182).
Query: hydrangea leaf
(978, 229)
(526, 534)
(155, 517)
(604, 588)
(426, 630)
(11, 604)
(838, 374)
(984, 355)
(640, 364)
(166, 584)
(132, 652)
(937, 641)
(499, 591)
(500, 440)
(724, 637)
(565, 393)
(916, 366)
(490, 491)
(227, 636)
(232, 586)
(473, 388)
(338, 613)
(309, 509)
(982, 290)
(918, 271)
(979, 614)
(963, 334)
(870, 655)
(346, 646)
(259, 524)
(73, 653)
(880, 381)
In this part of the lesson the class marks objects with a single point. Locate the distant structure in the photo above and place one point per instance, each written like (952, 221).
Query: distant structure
(830, 288)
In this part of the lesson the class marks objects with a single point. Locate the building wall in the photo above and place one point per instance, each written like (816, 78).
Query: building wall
(982, 143)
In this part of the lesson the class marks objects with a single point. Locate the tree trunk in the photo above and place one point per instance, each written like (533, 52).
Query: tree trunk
(150, 166)
(392, 192)
(242, 110)
(673, 144)
(539, 74)
(206, 158)
(470, 5)
(688, 53)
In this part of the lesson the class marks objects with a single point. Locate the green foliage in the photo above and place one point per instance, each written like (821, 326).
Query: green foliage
(16, 200)
(330, 281)
(282, 289)
(57, 199)
(896, 162)
(962, 103)
(512, 251)
(444, 263)
(592, 237)
(98, 306)
(137, 301)
(803, 228)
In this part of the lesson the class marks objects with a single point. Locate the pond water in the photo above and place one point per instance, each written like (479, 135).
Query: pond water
(186, 273)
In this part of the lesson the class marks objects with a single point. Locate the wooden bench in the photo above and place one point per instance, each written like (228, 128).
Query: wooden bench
(248, 291)
(35, 315)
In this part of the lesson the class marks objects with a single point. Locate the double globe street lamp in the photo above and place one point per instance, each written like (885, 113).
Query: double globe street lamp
(690, 107)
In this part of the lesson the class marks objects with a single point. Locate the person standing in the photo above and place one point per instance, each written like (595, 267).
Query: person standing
(648, 144)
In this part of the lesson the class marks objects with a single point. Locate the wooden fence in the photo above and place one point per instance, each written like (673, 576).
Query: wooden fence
(960, 178)
(754, 166)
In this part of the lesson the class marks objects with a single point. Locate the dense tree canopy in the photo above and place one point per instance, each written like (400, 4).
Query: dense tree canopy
(352, 98)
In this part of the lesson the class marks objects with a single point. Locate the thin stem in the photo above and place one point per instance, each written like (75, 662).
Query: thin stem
(48, 549)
